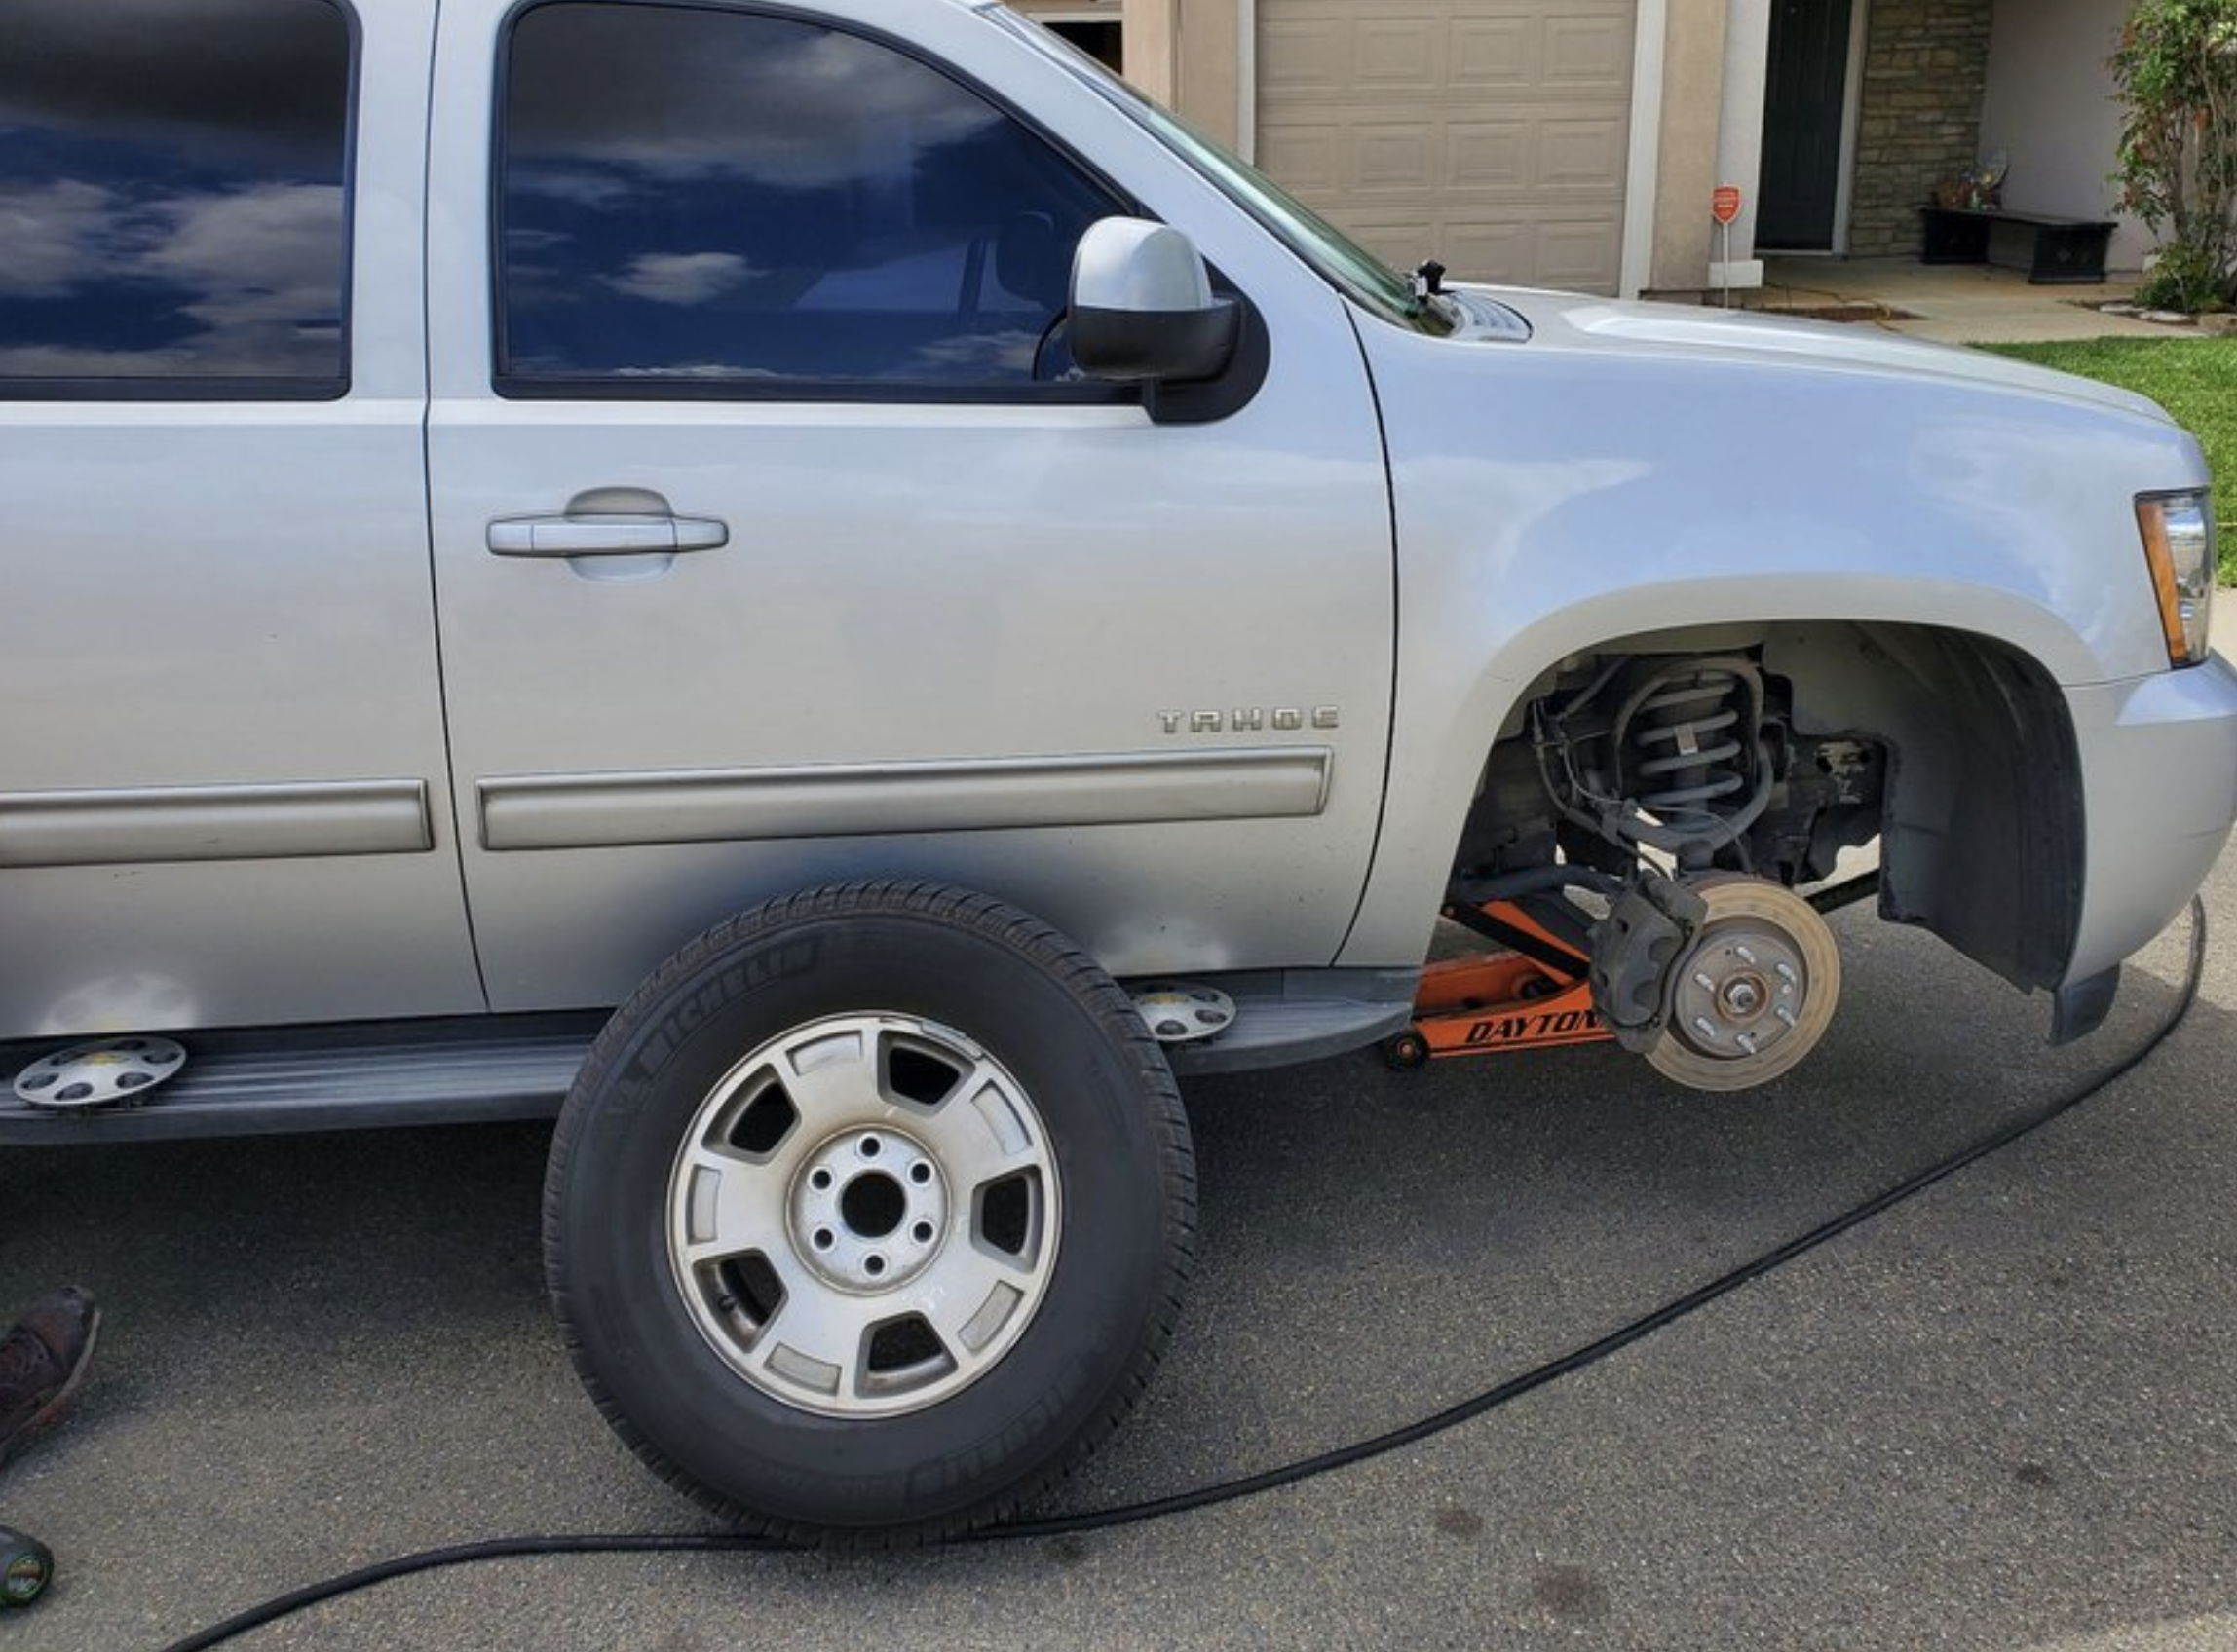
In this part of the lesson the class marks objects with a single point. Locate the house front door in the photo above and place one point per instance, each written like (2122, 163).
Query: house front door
(1805, 103)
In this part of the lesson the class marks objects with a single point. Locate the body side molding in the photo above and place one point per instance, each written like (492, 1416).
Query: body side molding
(138, 825)
(559, 812)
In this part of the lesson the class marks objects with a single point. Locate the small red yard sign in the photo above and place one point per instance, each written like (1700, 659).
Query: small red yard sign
(1724, 205)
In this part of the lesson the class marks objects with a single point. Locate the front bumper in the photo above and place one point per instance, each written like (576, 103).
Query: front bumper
(2159, 768)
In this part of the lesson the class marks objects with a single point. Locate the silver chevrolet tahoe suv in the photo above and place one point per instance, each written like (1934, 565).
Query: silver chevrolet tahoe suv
(837, 528)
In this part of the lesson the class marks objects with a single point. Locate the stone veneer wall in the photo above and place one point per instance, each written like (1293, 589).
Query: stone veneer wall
(1925, 76)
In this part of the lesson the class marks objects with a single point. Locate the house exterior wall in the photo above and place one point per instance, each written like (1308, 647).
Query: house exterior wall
(1692, 116)
(1740, 134)
(1925, 76)
(1190, 57)
(2051, 107)
(1939, 84)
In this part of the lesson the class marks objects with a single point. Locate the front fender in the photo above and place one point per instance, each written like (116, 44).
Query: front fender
(1549, 500)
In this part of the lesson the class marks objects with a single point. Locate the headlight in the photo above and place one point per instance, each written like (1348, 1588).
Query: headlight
(2178, 543)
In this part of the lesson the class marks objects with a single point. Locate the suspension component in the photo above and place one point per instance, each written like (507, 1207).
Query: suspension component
(1689, 753)
(1681, 766)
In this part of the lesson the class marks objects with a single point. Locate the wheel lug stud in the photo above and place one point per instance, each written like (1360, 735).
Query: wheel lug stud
(920, 1173)
(922, 1233)
(869, 1147)
(821, 1180)
(824, 1239)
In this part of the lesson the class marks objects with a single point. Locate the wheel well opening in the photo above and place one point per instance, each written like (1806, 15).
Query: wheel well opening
(1770, 749)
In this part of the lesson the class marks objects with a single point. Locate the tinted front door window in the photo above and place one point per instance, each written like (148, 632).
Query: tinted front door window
(729, 199)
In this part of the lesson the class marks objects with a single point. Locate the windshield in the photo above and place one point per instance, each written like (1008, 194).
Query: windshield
(1340, 259)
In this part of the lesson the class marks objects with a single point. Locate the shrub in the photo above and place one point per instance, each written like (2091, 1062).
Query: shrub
(2176, 70)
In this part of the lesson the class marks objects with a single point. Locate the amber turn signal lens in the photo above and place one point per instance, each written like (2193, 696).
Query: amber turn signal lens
(2179, 545)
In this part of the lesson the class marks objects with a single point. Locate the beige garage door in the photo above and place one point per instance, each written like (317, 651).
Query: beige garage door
(1490, 134)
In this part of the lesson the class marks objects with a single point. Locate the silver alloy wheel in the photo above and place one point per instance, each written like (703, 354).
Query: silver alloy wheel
(863, 1216)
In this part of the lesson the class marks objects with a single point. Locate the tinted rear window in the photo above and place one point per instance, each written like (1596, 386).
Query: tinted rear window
(171, 194)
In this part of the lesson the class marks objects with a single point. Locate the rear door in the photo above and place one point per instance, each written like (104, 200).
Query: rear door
(221, 745)
(780, 296)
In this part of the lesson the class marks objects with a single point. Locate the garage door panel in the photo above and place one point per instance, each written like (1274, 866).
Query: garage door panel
(1304, 158)
(1504, 252)
(1583, 155)
(1491, 134)
(1487, 156)
(1386, 158)
(1582, 254)
(1491, 55)
(1396, 54)
(1301, 57)
(1588, 54)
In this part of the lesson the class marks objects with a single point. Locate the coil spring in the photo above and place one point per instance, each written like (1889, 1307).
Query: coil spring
(1690, 754)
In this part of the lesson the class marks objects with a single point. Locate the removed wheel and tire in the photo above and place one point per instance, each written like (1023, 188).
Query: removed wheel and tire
(870, 1213)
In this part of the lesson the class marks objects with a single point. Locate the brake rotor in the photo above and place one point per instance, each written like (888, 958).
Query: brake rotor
(105, 1072)
(1183, 1012)
(1755, 991)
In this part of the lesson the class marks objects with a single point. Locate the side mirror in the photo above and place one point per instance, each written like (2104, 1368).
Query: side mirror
(1143, 307)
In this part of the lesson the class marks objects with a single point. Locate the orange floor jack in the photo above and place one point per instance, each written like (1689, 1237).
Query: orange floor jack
(1529, 992)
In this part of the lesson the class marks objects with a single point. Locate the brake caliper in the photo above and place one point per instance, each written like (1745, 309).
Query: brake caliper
(1636, 949)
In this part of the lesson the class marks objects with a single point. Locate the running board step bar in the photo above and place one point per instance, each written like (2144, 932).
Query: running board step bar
(1284, 1016)
(356, 1076)
(495, 1069)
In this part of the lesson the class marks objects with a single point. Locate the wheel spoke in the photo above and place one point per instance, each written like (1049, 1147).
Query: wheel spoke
(821, 1325)
(740, 1199)
(833, 1080)
(957, 1298)
(980, 1135)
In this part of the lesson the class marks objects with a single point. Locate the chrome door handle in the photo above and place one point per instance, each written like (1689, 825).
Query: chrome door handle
(605, 535)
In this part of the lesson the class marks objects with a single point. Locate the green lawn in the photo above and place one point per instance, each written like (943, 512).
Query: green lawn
(2195, 379)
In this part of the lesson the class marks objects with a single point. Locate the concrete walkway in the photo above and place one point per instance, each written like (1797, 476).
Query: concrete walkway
(1955, 303)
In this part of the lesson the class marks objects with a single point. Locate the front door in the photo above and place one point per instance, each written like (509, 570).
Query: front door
(1805, 104)
(777, 544)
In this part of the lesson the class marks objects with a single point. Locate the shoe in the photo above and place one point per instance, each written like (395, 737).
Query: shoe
(43, 1358)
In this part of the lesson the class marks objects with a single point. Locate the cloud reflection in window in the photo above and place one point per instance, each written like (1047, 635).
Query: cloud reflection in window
(706, 194)
(172, 199)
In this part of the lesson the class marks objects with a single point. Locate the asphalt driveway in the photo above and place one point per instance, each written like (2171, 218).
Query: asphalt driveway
(2003, 1415)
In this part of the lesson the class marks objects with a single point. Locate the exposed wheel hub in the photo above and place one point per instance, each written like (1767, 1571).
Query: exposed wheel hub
(1742, 992)
(1755, 992)
(869, 1209)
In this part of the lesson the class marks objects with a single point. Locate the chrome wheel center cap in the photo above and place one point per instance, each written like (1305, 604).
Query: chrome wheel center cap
(869, 1209)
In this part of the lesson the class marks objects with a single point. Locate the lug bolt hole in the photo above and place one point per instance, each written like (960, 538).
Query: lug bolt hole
(920, 1173)
(873, 1265)
(869, 1147)
(821, 1180)
(824, 1239)
(922, 1233)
